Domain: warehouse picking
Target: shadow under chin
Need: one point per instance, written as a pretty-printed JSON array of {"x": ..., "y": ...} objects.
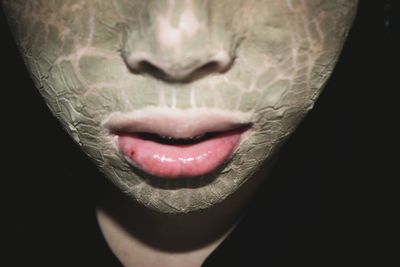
[
  {"x": 180, "y": 232},
  {"x": 175, "y": 233}
]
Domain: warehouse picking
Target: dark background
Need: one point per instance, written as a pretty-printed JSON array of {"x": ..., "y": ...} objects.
[{"x": 327, "y": 200}]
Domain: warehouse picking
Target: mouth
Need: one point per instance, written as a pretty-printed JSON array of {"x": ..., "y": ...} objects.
[{"x": 174, "y": 144}]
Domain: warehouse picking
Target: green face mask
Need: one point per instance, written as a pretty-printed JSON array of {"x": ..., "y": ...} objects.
[{"x": 180, "y": 69}]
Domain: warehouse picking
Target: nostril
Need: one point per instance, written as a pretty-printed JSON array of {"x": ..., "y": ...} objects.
[
  {"x": 181, "y": 71},
  {"x": 222, "y": 61},
  {"x": 205, "y": 69},
  {"x": 219, "y": 63},
  {"x": 212, "y": 66},
  {"x": 136, "y": 62},
  {"x": 149, "y": 68},
  {"x": 139, "y": 63}
]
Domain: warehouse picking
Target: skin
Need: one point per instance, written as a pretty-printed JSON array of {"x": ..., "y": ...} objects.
[
  {"x": 281, "y": 54},
  {"x": 274, "y": 58}
]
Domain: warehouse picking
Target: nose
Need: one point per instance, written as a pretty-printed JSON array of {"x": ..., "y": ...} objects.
[
  {"x": 178, "y": 41},
  {"x": 184, "y": 69}
]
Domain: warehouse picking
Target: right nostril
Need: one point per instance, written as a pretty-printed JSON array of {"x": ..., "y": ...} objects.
[
  {"x": 136, "y": 62},
  {"x": 145, "y": 66},
  {"x": 139, "y": 64}
]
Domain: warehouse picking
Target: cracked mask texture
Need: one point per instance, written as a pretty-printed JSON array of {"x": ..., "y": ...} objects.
[{"x": 282, "y": 54}]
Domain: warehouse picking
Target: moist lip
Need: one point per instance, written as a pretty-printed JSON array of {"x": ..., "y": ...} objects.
[
  {"x": 174, "y": 158},
  {"x": 175, "y": 143}
]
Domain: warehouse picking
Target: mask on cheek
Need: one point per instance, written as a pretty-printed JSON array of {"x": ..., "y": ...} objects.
[{"x": 179, "y": 103}]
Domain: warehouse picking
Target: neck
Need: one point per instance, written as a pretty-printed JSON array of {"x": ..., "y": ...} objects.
[{"x": 142, "y": 237}]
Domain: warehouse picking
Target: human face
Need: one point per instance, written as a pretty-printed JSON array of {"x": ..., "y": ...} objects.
[{"x": 121, "y": 74}]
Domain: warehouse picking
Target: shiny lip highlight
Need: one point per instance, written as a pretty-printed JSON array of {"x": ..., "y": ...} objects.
[
  {"x": 176, "y": 123},
  {"x": 174, "y": 143}
]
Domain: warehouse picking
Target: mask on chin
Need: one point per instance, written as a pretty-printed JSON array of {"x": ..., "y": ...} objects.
[{"x": 179, "y": 103}]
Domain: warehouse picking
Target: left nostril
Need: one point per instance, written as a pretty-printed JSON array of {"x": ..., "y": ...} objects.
[
  {"x": 205, "y": 69},
  {"x": 222, "y": 61}
]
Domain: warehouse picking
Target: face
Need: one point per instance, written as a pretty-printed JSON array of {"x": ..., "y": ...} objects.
[{"x": 180, "y": 102}]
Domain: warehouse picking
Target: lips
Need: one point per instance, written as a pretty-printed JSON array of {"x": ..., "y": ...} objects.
[{"x": 173, "y": 144}]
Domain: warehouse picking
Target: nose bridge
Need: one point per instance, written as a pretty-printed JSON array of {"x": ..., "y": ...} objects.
[
  {"x": 169, "y": 28},
  {"x": 182, "y": 26}
]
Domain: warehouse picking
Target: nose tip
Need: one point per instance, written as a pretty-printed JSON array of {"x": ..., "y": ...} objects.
[{"x": 180, "y": 71}]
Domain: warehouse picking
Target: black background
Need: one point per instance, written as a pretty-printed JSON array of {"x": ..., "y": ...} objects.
[{"x": 327, "y": 200}]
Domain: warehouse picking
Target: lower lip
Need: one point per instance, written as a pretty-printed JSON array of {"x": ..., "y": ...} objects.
[{"x": 179, "y": 161}]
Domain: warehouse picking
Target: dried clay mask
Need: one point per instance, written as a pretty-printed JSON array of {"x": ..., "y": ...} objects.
[{"x": 180, "y": 102}]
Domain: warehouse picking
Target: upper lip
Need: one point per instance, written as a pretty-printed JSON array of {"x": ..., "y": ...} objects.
[{"x": 176, "y": 123}]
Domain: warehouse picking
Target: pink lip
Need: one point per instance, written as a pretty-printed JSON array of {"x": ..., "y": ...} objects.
[
  {"x": 179, "y": 161},
  {"x": 172, "y": 159}
]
